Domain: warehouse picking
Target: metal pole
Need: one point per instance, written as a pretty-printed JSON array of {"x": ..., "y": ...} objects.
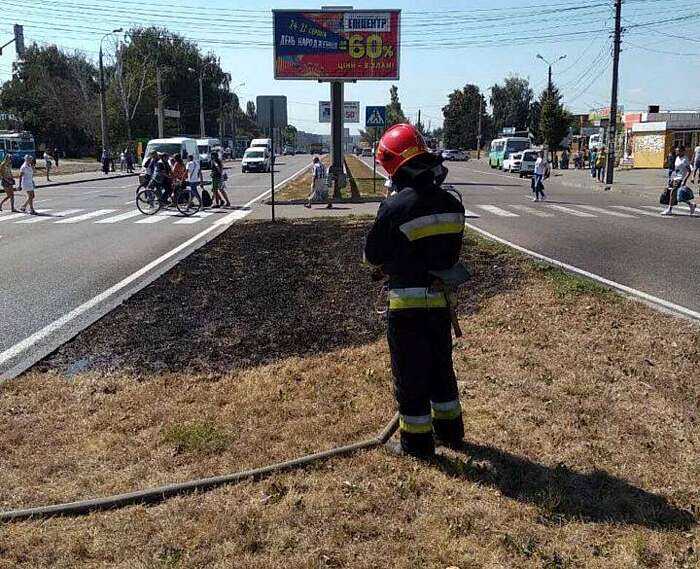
[
  {"x": 374, "y": 162},
  {"x": 272, "y": 161},
  {"x": 612, "y": 127},
  {"x": 478, "y": 132},
  {"x": 549, "y": 80},
  {"x": 159, "y": 101},
  {"x": 202, "y": 129},
  {"x": 337, "y": 135},
  {"x": 103, "y": 104}
]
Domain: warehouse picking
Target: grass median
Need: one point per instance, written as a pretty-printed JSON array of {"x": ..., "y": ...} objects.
[{"x": 580, "y": 409}]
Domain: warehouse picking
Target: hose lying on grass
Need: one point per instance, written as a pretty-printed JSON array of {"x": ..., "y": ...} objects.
[{"x": 162, "y": 493}]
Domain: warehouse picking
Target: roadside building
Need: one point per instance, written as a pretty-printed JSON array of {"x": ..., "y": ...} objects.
[{"x": 655, "y": 135}]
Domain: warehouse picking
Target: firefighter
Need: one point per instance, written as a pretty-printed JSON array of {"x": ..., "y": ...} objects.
[{"x": 416, "y": 240}]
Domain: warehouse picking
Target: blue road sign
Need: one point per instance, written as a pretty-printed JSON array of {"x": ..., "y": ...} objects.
[{"x": 375, "y": 116}]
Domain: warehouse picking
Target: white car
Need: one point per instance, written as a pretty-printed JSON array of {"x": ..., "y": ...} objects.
[
  {"x": 527, "y": 162},
  {"x": 178, "y": 145},
  {"x": 455, "y": 155},
  {"x": 256, "y": 160},
  {"x": 512, "y": 162}
]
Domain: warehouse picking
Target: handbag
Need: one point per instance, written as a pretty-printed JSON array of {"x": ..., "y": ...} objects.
[
  {"x": 665, "y": 198},
  {"x": 206, "y": 198},
  {"x": 685, "y": 194}
]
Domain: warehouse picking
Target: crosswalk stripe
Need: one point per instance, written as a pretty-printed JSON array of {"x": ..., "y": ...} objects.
[
  {"x": 53, "y": 216},
  {"x": 677, "y": 209},
  {"x": 570, "y": 211},
  {"x": 85, "y": 216},
  {"x": 120, "y": 217},
  {"x": 234, "y": 215},
  {"x": 161, "y": 216},
  {"x": 498, "y": 211},
  {"x": 36, "y": 218},
  {"x": 634, "y": 210},
  {"x": 605, "y": 211},
  {"x": 197, "y": 217},
  {"x": 468, "y": 213},
  {"x": 531, "y": 210},
  {"x": 12, "y": 216}
]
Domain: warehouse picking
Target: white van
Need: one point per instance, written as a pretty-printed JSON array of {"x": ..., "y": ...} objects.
[
  {"x": 256, "y": 159},
  {"x": 265, "y": 142},
  {"x": 176, "y": 145},
  {"x": 206, "y": 146}
]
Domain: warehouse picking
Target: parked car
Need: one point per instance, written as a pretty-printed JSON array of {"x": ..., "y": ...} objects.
[
  {"x": 288, "y": 151},
  {"x": 527, "y": 162},
  {"x": 512, "y": 162},
  {"x": 256, "y": 160},
  {"x": 366, "y": 152},
  {"x": 455, "y": 155}
]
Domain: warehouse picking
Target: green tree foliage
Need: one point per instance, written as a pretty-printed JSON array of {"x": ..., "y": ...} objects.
[
  {"x": 55, "y": 94},
  {"x": 394, "y": 112},
  {"x": 533, "y": 121},
  {"x": 554, "y": 119},
  {"x": 510, "y": 103},
  {"x": 250, "y": 111},
  {"x": 461, "y": 118},
  {"x": 289, "y": 135}
]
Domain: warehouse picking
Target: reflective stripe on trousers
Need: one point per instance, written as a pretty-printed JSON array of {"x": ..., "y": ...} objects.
[
  {"x": 434, "y": 224},
  {"x": 418, "y": 297},
  {"x": 416, "y": 424},
  {"x": 447, "y": 410}
]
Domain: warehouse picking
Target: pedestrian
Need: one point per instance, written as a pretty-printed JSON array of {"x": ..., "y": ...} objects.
[
  {"x": 122, "y": 160},
  {"x": 129, "y": 161},
  {"x": 671, "y": 164},
  {"x": 416, "y": 242},
  {"x": 48, "y": 162},
  {"x": 537, "y": 181},
  {"x": 179, "y": 173},
  {"x": 26, "y": 183},
  {"x": 592, "y": 160},
  {"x": 319, "y": 189},
  {"x": 600, "y": 164},
  {"x": 679, "y": 191},
  {"x": 194, "y": 176},
  {"x": 218, "y": 186},
  {"x": 164, "y": 177},
  {"x": 7, "y": 181},
  {"x": 105, "y": 161},
  {"x": 696, "y": 162},
  {"x": 56, "y": 156}
]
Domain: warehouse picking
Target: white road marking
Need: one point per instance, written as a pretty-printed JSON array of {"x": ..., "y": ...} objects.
[
  {"x": 12, "y": 216},
  {"x": 36, "y": 218},
  {"x": 498, "y": 211},
  {"x": 531, "y": 210},
  {"x": 623, "y": 288},
  {"x": 199, "y": 216},
  {"x": 22, "y": 346},
  {"x": 233, "y": 216},
  {"x": 160, "y": 216},
  {"x": 678, "y": 210},
  {"x": 468, "y": 213},
  {"x": 570, "y": 211},
  {"x": 85, "y": 216},
  {"x": 634, "y": 210},
  {"x": 604, "y": 211},
  {"x": 120, "y": 217},
  {"x": 63, "y": 213}
]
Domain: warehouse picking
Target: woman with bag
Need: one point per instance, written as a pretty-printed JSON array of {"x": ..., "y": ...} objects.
[
  {"x": 679, "y": 191},
  {"x": 538, "y": 176},
  {"x": 217, "y": 182},
  {"x": 8, "y": 182},
  {"x": 319, "y": 190},
  {"x": 600, "y": 164}
]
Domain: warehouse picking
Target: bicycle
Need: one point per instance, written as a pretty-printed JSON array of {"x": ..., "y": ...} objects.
[{"x": 150, "y": 200}]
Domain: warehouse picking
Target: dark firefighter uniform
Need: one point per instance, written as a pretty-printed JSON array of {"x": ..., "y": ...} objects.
[{"x": 417, "y": 231}]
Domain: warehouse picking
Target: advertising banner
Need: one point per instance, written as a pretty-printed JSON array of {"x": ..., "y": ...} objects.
[
  {"x": 351, "y": 111},
  {"x": 337, "y": 45}
]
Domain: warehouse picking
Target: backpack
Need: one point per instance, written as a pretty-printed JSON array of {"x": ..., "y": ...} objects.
[{"x": 206, "y": 198}]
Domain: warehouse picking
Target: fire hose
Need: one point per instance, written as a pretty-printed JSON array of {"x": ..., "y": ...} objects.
[{"x": 162, "y": 493}]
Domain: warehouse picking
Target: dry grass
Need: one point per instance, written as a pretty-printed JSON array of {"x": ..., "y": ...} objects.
[
  {"x": 363, "y": 176},
  {"x": 581, "y": 410},
  {"x": 300, "y": 187}
]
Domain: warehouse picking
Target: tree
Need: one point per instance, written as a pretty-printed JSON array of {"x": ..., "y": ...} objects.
[
  {"x": 394, "y": 112},
  {"x": 533, "y": 121},
  {"x": 289, "y": 135},
  {"x": 510, "y": 103},
  {"x": 554, "y": 119},
  {"x": 250, "y": 111},
  {"x": 461, "y": 118}
]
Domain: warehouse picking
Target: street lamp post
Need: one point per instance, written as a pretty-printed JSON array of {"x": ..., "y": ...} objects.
[
  {"x": 550, "y": 64},
  {"x": 103, "y": 98},
  {"x": 202, "y": 128}
]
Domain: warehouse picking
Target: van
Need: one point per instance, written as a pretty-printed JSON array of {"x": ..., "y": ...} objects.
[
  {"x": 265, "y": 142},
  {"x": 256, "y": 159},
  {"x": 177, "y": 145},
  {"x": 502, "y": 147},
  {"x": 206, "y": 146}
]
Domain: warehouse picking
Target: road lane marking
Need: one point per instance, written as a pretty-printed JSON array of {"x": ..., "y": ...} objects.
[
  {"x": 468, "y": 213},
  {"x": 634, "y": 210},
  {"x": 498, "y": 211},
  {"x": 63, "y": 213},
  {"x": 85, "y": 216},
  {"x": 36, "y": 218},
  {"x": 678, "y": 210},
  {"x": 531, "y": 210},
  {"x": 197, "y": 217},
  {"x": 570, "y": 211},
  {"x": 120, "y": 217},
  {"x": 24, "y": 345},
  {"x": 571, "y": 268},
  {"x": 605, "y": 211},
  {"x": 160, "y": 216},
  {"x": 12, "y": 216}
]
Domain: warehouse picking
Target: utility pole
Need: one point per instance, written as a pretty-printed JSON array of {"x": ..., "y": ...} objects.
[
  {"x": 159, "y": 102},
  {"x": 612, "y": 127},
  {"x": 103, "y": 98},
  {"x": 202, "y": 134},
  {"x": 419, "y": 118},
  {"x": 478, "y": 129}
]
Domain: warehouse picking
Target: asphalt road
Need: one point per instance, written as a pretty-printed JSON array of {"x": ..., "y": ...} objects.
[
  {"x": 619, "y": 237},
  {"x": 88, "y": 239}
]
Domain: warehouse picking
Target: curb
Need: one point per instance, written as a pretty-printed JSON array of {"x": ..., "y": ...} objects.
[{"x": 71, "y": 182}]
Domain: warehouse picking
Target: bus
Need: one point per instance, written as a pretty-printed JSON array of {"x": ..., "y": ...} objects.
[
  {"x": 502, "y": 147},
  {"x": 17, "y": 145}
]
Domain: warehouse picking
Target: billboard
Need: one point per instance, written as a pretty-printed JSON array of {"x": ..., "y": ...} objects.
[
  {"x": 262, "y": 106},
  {"x": 351, "y": 111},
  {"x": 336, "y": 44}
]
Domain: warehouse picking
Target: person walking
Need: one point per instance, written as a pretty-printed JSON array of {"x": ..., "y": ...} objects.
[
  {"x": 26, "y": 183},
  {"x": 105, "y": 161},
  {"x": 671, "y": 164},
  {"x": 129, "y": 161},
  {"x": 194, "y": 176},
  {"x": 217, "y": 182},
  {"x": 48, "y": 162},
  {"x": 7, "y": 181},
  {"x": 56, "y": 154},
  {"x": 537, "y": 181},
  {"x": 679, "y": 191},
  {"x": 122, "y": 160},
  {"x": 600, "y": 165},
  {"x": 319, "y": 190},
  {"x": 415, "y": 241},
  {"x": 592, "y": 160},
  {"x": 696, "y": 163}
]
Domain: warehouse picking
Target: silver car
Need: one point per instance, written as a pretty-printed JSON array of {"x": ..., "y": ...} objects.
[{"x": 455, "y": 155}]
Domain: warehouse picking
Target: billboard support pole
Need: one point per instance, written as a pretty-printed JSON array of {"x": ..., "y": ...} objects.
[
  {"x": 374, "y": 162},
  {"x": 337, "y": 105},
  {"x": 272, "y": 159}
]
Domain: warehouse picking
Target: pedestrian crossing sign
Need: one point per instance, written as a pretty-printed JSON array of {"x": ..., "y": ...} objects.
[{"x": 375, "y": 116}]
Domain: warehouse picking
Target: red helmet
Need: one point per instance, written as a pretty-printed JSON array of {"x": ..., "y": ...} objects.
[{"x": 398, "y": 145}]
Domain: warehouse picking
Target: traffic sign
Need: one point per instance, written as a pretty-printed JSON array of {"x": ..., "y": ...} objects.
[{"x": 375, "y": 116}]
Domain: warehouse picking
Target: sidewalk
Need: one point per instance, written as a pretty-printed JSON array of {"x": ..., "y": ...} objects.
[{"x": 57, "y": 180}]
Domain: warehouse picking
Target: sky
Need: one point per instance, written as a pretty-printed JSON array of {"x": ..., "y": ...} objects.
[{"x": 445, "y": 45}]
